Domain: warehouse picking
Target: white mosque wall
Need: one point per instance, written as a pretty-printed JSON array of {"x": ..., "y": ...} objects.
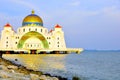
[{"x": 10, "y": 39}]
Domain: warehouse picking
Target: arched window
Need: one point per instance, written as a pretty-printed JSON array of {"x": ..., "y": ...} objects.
[
  {"x": 19, "y": 30},
  {"x": 29, "y": 29},
  {"x": 34, "y": 45},
  {"x": 58, "y": 38},
  {"x": 41, "y": 30},
  {"x": 38, "y": 45},
  {"x": 45, "y": 31},
  {"x": 6, "y": 45},
  {"x": 36, "y": 29},
  {"x": 6, "y": 41},
  {"x": 23, "y": 30}
]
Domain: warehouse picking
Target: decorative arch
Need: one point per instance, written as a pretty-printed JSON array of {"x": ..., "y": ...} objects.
[{"x": 31, "y": 34}]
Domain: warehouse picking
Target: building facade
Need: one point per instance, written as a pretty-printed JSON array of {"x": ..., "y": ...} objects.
[{"x": 32, "y": 35}]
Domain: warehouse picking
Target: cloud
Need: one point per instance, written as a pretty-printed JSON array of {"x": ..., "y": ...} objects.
[
  {"x": 16, "y": 21},
  {"x": 75, "y": 3},
  {"x": 111, "y": 11},
  {"x": 27, "y": 4}
]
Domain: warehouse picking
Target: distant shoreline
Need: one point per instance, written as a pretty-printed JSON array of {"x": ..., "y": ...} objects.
[{"x": 103, "y": 50}]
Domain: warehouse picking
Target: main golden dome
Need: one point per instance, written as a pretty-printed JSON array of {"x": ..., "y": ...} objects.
[{"x": 32, "y": 19}]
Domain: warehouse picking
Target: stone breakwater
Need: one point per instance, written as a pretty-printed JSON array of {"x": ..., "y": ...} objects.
[{"x": 11, "y": 71}]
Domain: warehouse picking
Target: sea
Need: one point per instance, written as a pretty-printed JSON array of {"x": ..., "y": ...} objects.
[{"x": 89, "y": 65}]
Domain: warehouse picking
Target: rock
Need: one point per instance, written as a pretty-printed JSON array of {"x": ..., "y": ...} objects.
[
  {"x": 61, "y": 78},
  {"x": 11, "y": 71},
  {"x": 49, "y": 78},
  {"x": 43, "y": 77},
  {"x": 17, "y": 78},
  {"x": 4, "y": 74},
  {"x": 76, "y": 78},
  {"x": 19, "y": 74},
  {"x": 1, "y": 67},
  {"x": 54, "y": 78},
  {"x": 12, "y": 67},
  {"x": 4, "y": 68},
  {"x": 34, "y": 77},
  {"x": 0, "y": 55},
  {"x": 22, "y": 70},
  {"x": 16, "y": 59}
]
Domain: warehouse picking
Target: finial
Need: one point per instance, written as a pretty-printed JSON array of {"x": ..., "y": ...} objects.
[{"x": 33, "y": 11}]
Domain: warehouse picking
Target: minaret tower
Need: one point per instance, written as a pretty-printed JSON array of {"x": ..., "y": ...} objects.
[{"x": 7, "y": 36}]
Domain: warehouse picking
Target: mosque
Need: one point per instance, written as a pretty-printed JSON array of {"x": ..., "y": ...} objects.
[{"x": 33, "y": 37}]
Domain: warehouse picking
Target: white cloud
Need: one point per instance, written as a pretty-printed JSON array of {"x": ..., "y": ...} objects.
[
  {"x": 112, "y": 11},
  {"x": 28, "y": 4},
  {"x": 23, "y": 2},
  {"x": 75, "y": 3},
  {"x": 15, "y": 21}
]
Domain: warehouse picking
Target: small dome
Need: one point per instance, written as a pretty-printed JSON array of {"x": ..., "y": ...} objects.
[
  {"x": 7, "y": 25},
  {"x": 32, "y": 19},
  {"x": 58, "y": 26}
]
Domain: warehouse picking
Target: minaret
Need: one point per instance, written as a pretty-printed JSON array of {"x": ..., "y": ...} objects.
[
  {"x": 59, "y": 37},
  {"x": 6, "y": 36}
]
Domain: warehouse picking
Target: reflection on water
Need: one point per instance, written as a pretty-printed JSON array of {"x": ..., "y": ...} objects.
[{"x": 42, "y": 62}]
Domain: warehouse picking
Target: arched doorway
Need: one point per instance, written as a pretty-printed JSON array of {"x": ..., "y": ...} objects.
[{"x": 33, "y": 40}]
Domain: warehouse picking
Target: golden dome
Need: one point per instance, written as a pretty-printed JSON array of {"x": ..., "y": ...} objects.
[{"x": 32, "y": 19}]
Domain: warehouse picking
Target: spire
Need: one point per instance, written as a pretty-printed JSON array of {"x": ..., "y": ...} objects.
[{"x": 32, "y": 11}]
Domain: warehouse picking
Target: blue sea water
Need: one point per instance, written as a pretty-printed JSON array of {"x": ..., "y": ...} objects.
[
  {"x": 95, "y": 65},
  {"x": 89, "y": 65}
]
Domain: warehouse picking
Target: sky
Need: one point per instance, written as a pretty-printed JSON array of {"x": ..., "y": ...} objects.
[{"x": 88, "y": 24}]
